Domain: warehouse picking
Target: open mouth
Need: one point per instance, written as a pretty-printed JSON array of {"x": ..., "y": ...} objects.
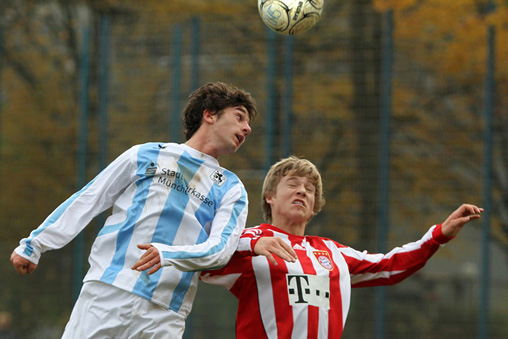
[
  {"x": 298, "y": 202},
  {"x": 240, "y": 138}
]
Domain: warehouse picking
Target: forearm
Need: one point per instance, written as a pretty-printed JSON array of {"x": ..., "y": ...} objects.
[
  {"x": 393, "y": 267},
  {"x": 208, "y": 255},
  {"x": 217, "y": 249}
]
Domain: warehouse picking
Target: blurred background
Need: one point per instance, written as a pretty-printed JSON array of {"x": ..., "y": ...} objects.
[{"x": 401, "y": 104}]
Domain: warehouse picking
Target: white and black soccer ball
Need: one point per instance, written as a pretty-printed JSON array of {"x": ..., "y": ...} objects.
[{"x": 290, "y": 16}]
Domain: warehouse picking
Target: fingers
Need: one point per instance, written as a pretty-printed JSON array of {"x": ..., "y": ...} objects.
[
  {"x": 289, "y": 252},
  {"x": 155, "y": 269},
  {"x": 268, "y": 246},
  {"x": 149, "y": 259},
  {"x": 146, "y": 261},
  {"x": 154, "y": 264},
  {"x": 270, "y": 258},
  {"x": 22, "y": 265},
  {"x": 31, "y": 267},
  {"x": 461, "y": 216},
  {"x": 285, "y": 252},
  {"x": 25, "y": 268},
  {"x": 21, "y": 269},
  {"x": 468, "y": 209}
]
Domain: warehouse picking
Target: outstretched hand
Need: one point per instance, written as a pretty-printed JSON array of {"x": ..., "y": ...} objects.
[
  {"x": 268, "y": 245},
  {"x": 149, "y": 259},
  {"x": 22, "y": 265},
  {"x": 459, "y": 218}
]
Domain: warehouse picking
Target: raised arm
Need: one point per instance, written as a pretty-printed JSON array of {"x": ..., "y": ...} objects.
[
  {"x": 386, "y": 269},
  {"x": 74, "y": 214}
]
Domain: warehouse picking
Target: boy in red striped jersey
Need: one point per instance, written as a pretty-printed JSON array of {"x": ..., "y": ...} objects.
[{"x": 309, "y": 297}]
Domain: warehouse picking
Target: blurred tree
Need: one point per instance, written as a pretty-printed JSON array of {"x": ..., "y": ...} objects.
[{"x": 451, "y": 57}]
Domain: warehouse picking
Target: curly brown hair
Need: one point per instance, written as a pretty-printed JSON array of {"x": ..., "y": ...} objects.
[{"x": 214, "y": 97}]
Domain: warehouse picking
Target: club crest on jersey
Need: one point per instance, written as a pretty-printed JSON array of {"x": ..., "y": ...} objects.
[
  {"x": 323, "y": 257},
  {"x": 218, "y": 177}
]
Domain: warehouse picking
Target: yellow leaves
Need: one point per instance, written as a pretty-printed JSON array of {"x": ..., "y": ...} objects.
[
  {"x": 328, "y": 96},
  {"x": 384, "y": 5},
  {"x": 498, "y": 18},
  {"x": 191, "y": 7},
  {"x": 435, "y": 19},
  {"x": 450, "y": 36},
  {"x": 499, "y": 21}
]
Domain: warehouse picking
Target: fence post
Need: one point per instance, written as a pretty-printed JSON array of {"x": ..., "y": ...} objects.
[
  {"x": 384, "y": 158},
  {"x": 195, "y": 44},
  {"x": 1, "y": 105},
  {"x": 271, "y": 45},
  {"x": 483, "y": 312},
  {"x": 103, "y": 96},
  {"x": 174, "y": 125},
  {"x": 83, "y": 107},
  {"x": 288, "y": 96}
]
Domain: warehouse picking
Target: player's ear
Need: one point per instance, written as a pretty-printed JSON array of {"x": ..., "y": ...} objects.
[
  {"x": 269, "y": 199},
  {"x": 208, "y": 116}
]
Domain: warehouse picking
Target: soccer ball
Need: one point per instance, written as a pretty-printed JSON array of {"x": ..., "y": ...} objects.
[{"x": 290, "y": 16}]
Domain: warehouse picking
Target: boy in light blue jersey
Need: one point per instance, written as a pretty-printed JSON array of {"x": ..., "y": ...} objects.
[{"x": 167, "y": 193}]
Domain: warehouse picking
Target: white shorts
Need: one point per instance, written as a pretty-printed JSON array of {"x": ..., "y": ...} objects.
[{"x": 103, "y": 311}]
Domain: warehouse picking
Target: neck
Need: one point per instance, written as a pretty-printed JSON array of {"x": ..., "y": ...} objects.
[
  {"x": 290, "y": 227},
  {"x": 201, "y": 145}
]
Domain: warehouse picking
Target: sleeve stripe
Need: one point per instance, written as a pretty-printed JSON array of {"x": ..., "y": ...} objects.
[{"x": 225, "y": 235}]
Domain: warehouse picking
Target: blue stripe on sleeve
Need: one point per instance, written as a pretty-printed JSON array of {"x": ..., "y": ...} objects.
[
  {"x": 226, "y": 233},
  {"x": 53, "y": 218}
]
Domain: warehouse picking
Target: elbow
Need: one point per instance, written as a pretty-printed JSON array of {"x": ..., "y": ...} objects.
[{"x": 222, "y": 260}]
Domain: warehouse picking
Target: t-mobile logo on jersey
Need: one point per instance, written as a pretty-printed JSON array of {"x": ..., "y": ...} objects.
[{"x": 308, "y": 289}]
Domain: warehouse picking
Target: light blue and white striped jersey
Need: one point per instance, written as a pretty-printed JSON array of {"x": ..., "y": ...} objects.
[{"x": 160, "y": 193}]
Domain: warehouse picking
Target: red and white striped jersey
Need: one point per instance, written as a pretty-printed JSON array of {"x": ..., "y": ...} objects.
[{"x": 310, "y": 298}]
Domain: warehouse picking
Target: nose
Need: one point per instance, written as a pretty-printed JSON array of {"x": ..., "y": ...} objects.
[
  {"x": 246, "y": 129},
  {"x": 301, "y": 191}
]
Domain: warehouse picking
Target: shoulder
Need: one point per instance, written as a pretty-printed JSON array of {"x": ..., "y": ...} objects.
[
  {"x": 328, "y": 241},
  {"x": 148, "y": 147}
]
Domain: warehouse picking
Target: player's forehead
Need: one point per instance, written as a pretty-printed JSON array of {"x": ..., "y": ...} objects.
[
  {"x": 295, "y": 178},
  {"x": 240, "y": 109}
]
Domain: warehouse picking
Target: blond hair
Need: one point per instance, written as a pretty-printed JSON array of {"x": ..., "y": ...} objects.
[{"x": 291, "y": 166}]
